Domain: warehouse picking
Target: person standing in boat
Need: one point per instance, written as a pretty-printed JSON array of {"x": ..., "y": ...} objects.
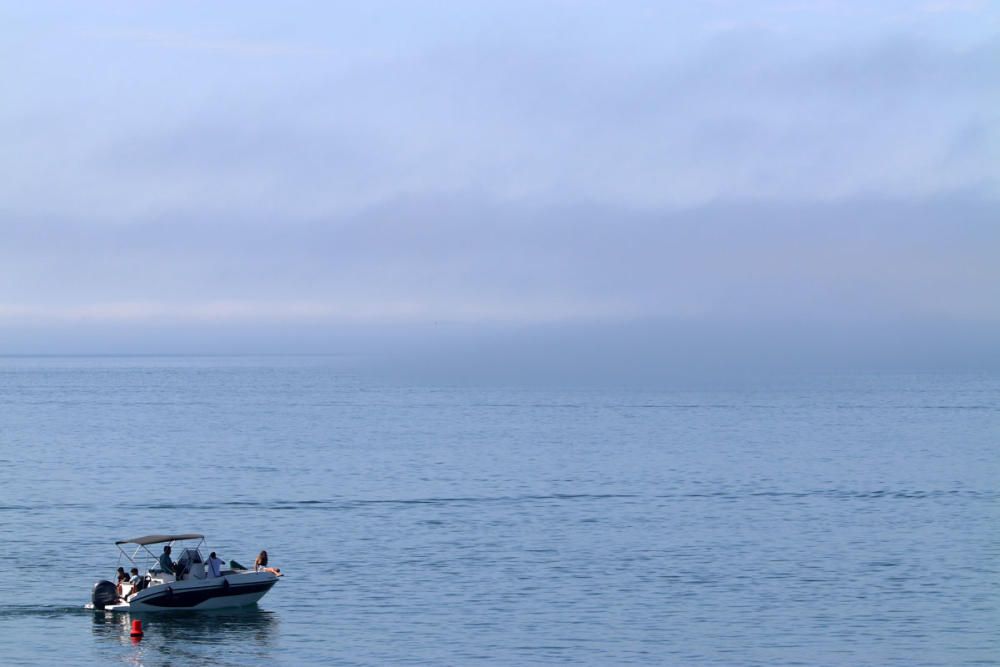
[{"x": 215, "y": 565}]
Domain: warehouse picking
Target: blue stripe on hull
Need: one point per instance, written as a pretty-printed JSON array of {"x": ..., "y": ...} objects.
[{"x": 192, "y": 598}]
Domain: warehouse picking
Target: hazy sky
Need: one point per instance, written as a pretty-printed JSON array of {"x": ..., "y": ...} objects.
[{"x": 250, "y": 168}]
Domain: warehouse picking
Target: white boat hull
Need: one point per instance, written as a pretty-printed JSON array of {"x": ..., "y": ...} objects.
[
  {"x": 211, "y": 603},
  {"x": 232, "y": 590}
]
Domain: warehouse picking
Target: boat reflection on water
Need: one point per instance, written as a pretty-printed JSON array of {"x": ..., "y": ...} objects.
[{"x": 200, "y": 636}]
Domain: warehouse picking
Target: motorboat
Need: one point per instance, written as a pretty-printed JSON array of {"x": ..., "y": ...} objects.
[{"x": 190, "y": 586}]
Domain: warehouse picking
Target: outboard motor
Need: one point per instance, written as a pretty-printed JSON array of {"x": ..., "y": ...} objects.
[{"x": 104, "y": 593}]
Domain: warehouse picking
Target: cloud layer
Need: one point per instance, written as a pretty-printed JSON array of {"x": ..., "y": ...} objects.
[
  {"x": 465, "y": 260},
  {"x": 502, "y": 164}
]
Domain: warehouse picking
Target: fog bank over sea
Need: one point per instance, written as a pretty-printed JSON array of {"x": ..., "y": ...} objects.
[
  {"x": 640, "y": 353},
  {"x": 466, "y": 285}
]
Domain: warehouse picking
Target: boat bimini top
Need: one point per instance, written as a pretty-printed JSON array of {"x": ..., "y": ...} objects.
[
  {"x": 143, "y": 542},
  {"x": 159, "y": 539}
]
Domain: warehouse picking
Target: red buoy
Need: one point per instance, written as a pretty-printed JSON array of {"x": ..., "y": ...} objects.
[{"x": 136, "y": 628}]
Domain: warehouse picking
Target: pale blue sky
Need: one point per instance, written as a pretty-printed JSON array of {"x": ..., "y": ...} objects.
[{"x": 311, "y": 166}]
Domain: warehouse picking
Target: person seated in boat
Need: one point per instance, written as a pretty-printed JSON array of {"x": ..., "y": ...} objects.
[
  {"x": 166, "y": 564},
  {"x": 135, "y": 582},
  {"x": 215, "y": 565},
  {"x": 122, "y": 579},
  {"x": 260, "y": 565}
]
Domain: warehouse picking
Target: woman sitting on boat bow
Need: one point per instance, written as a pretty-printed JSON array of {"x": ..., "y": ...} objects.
[{"x": 260, "y": 565}]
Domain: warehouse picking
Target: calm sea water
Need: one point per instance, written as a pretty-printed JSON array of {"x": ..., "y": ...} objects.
[{"x": 824, "y": 520}]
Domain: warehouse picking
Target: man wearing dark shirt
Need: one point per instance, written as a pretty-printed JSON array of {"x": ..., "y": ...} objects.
[{"x": 166, "y": 564}]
